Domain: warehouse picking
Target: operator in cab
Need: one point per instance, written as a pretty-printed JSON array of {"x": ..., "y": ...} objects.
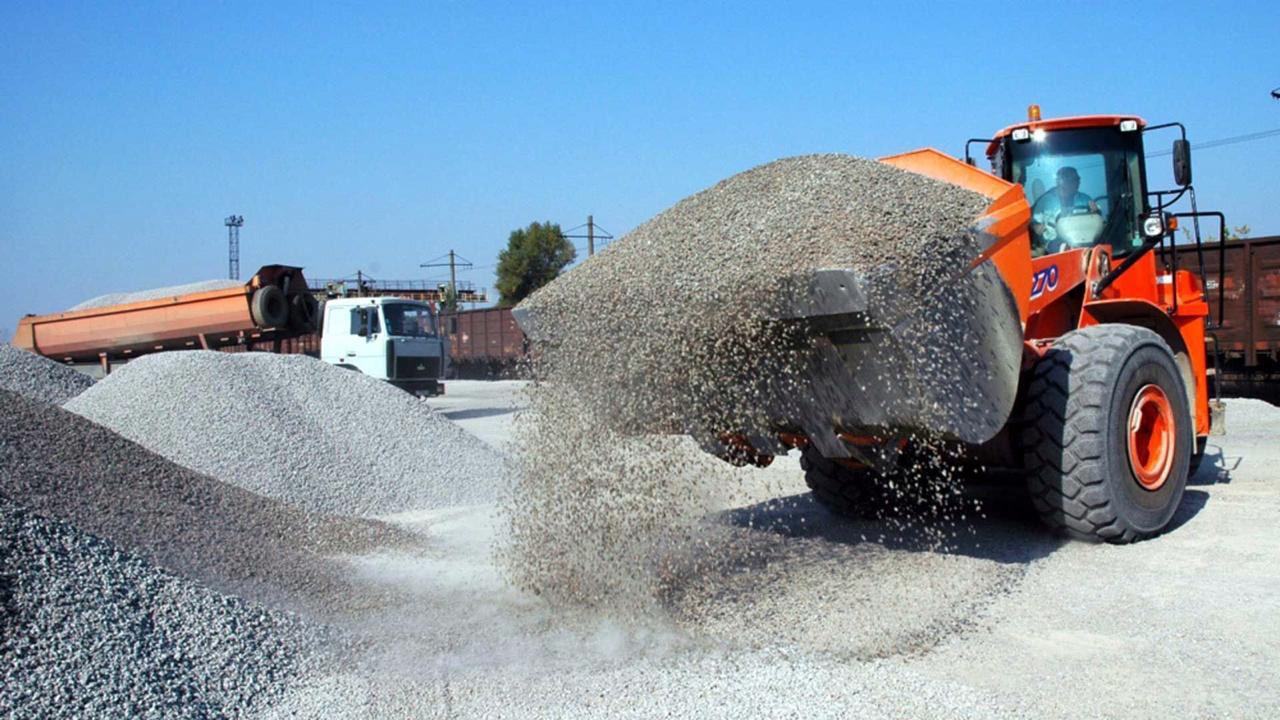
[{"x": 1064, "y": 199}]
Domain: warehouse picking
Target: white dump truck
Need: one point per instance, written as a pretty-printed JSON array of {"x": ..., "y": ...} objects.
[{"x": 392, "y": 339}]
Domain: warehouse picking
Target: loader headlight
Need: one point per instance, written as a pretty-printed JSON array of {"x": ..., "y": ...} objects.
[
  {"x": 1157, "y": 225},
  {"x": 1152, "y": 226}
]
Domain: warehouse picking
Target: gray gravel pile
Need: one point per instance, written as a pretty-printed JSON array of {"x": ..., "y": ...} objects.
[
  {"x": 291, "y": 427},
  {"x": 672, "y": 329},
  {"x": 38, "y": 377},
  {"x": 92, "y": 631},
  {"x": 122, "y": 298},
  {"x": 64, "y": 466}
]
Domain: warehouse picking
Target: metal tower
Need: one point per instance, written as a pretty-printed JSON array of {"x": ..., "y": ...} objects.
[{"x": 233, "y": 224}]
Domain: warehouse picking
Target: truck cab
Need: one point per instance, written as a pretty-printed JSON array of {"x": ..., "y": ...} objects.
[{"x": 392, "y": 339}]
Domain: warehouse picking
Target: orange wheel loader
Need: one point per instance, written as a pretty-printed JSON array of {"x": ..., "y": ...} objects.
[
  {"x": 1053, "y": 342},
  {"x": 1102, "y": 399}
]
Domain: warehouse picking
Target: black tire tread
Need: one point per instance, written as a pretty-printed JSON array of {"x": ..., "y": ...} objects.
[
  {"x": 1063, "y": 453},
  {"x": 843, "y": 491}
]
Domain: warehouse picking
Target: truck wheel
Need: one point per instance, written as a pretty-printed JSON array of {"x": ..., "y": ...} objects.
[
  {"x": 269, "y": 307},
  {"x": 303, "y": 311},
  {"x": 1107, "y": 434},
  {"x": 843, "y": 490}
]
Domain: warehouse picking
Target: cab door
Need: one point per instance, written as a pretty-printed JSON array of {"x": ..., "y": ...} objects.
[{"x": 367, "y": 348}]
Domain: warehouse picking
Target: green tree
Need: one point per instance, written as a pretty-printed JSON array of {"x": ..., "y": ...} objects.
[
  {"x": 534, "y": 257},
  {"x": 448, "y": 298},
  {"x": 1239, "y": 232}
]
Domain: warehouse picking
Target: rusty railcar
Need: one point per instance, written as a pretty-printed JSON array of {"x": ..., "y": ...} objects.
[
  {"x": 1248, "y": 340},
  {"x": 485, "y": 344}
]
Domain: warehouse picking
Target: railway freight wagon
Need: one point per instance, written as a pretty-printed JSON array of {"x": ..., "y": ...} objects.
[
  {"x": 485, "y": 344},
  {"x": 1249, "y": 339}
]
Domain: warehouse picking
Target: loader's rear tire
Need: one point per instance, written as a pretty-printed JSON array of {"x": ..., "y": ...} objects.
[
  {"x": 269, "y": 307},
  {"x": 1107, "y": 434},
  {"x": 843, "y": 490}
]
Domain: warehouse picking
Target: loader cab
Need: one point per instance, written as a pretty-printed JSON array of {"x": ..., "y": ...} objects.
[{"x": 1084, "y": 178}]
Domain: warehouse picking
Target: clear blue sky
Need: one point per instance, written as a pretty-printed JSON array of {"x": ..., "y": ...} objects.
[{"x": 375, "y": 137}]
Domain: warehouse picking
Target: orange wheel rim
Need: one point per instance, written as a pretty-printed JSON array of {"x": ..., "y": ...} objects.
[{"x": 1152, "y": 437}]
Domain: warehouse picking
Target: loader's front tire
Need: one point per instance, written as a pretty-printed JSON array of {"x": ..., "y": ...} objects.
[
  {"x": 851, "y": 492},
  {"x": 1107, "y": 434}
]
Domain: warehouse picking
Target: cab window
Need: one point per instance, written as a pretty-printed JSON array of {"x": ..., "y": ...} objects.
[
  {"x": 1084, "y": 186},
  {"x": 363, "y": 315}
]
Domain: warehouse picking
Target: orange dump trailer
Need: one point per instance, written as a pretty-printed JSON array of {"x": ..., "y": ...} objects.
[{"x": 275, "y": 304}]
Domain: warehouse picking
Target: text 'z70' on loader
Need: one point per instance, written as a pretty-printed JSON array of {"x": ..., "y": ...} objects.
[{"x": 1077, "y": 359}]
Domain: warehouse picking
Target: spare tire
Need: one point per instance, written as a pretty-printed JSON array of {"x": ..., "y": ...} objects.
[
  {"x": 269, "y": 307},
  {"x": 303, "y": 311}
]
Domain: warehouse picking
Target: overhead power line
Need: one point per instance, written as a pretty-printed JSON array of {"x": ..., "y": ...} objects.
[
  {"x": 1250, "y": 137},
  {"x": 594, "y": 231}
]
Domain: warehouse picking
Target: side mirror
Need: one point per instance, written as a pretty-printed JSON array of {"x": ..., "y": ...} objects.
[
  {"x": 364, "y": 324},
  {"x": 1182, "y": 162}
]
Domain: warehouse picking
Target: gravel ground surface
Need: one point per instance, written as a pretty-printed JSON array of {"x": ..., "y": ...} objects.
[
  {"x": 64, "y": 466},
  {"x": 844, "y": 618},
  {"x": 122, "y": 298},
  {"x": 90, "y": 631},
  {"x": 290, "y": 427},
  {"x": 39, "y": 378}
]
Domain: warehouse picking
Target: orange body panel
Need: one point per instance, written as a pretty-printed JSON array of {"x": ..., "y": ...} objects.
[
  {"x": 1144, "y": 295},
  {"x": 1006, "y": 219},
  {"x": 1052, "y": 291},
  {"x": 1063, "y": 123},
  {"x": 220, "y": 317},
  {"x": 136, "y": 327}
]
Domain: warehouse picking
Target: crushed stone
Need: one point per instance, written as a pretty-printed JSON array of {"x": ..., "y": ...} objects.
[
  {"x": 672, "y": 330},
  {"x": 92, "y": 631},
  {"x": 64, "y": 466},
  {"x": 38, "y": 377},
  {"x": 124, "y": 298},
  {"x": 294, "y": 428}
]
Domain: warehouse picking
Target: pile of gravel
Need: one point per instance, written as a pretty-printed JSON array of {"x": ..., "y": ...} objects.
[
  {"x": 61, "y": 465},
  {"x": 38, "y": 377},
  {"x": 122, "y": 298},
  {"x": 291, "y": 427},
  {"x": 92, "y": 631},
  {"x": 675, "y": 329}
]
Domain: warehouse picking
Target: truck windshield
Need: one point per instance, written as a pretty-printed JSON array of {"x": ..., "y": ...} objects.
[
  {"x": 409, "y": 320},
  {"x": 1085, "y": 188}
]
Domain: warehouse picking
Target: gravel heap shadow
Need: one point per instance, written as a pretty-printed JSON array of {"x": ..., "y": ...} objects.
[
  {"x": 92, "y": 631},
  {"x": 672, "y": 329},
  {"x": 291, "y": 427},
  {"x": 38, "y": 377}
]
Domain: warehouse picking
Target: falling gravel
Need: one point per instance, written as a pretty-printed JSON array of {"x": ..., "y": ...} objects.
[
  {"x": 92, "y": 631},
  {"x": 676, "y": 329},
  {"x": 291, "y": 427},
  {"x": 38, "y": 377},
  {"x": 62, "y": 465},
  {"x": 123, "y": 298}
]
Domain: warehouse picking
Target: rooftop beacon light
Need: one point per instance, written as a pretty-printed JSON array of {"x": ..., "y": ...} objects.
[{"x": 1033, "y": 113}]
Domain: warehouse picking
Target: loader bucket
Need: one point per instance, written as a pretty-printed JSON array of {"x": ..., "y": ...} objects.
[
  {"x": 943, "y": 362},
  {"x": 941, "y": 358}
]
